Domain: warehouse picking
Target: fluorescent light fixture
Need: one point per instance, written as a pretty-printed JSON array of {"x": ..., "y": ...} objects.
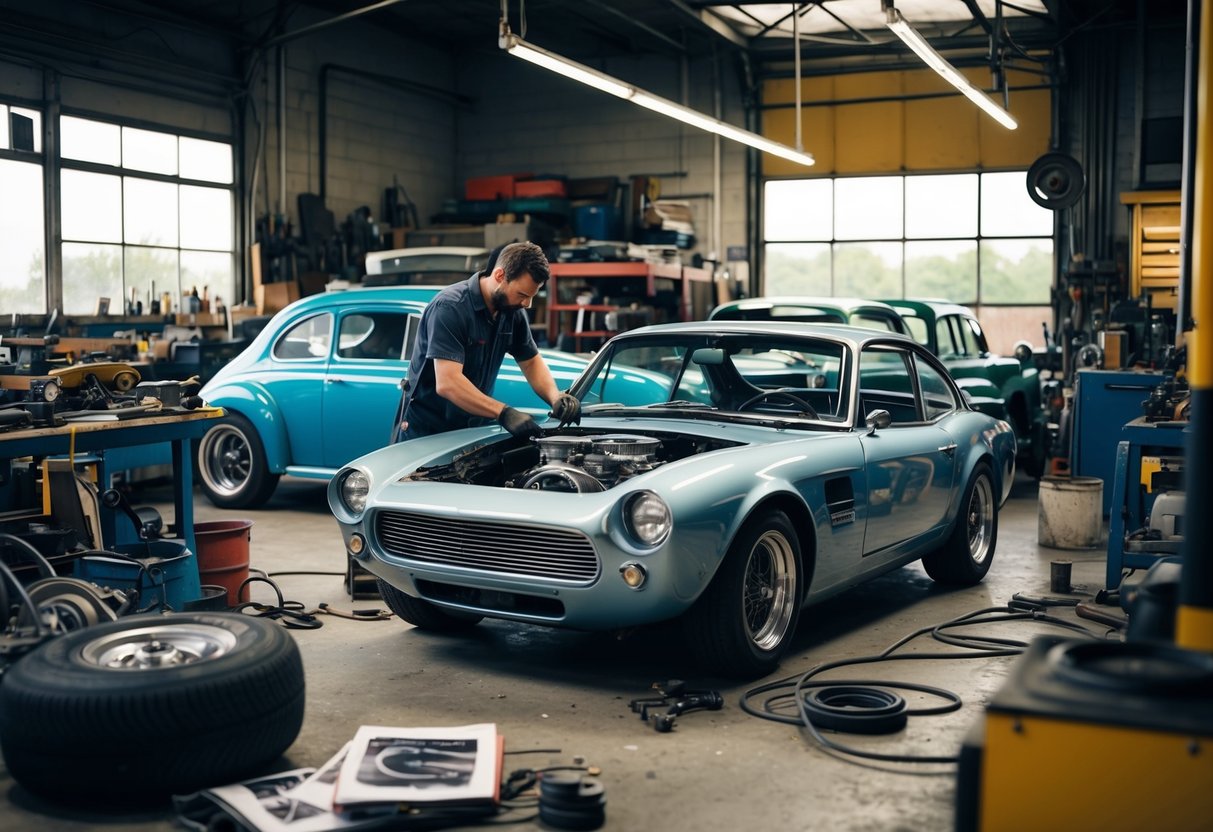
[
  {"x": 935, "y": 61},
  {"x": 579, "y": 72}
]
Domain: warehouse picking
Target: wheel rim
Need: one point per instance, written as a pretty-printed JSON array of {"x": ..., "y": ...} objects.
[
  {"x": 158, "y": 646},
  {"x": 227, "y": 459},
  {"x": 980, "y": 518},
  {"x": 769, "y": 591}
]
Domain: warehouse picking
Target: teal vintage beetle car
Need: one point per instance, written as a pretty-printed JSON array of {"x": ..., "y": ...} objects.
[
  {"x": 319, "y": 387},
  {"x": 1007, "y": 387},
  {"x": 726, "y": 474}
]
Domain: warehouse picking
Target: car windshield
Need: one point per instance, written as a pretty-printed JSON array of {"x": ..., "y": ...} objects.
[
  {"x": 778, "y": 312},
  {"x": 760, "y": 375}
]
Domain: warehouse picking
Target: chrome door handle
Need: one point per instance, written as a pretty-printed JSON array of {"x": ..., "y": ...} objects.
[
  {"x": 948, "y": 449},
  {"x": 331, "y": 380}
]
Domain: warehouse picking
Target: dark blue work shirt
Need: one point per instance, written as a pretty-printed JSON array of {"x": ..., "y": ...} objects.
[{"x": 457, "y": 326}]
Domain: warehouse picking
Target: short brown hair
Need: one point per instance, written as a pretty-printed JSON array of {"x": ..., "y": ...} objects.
[{"x": 518, "y": 259}]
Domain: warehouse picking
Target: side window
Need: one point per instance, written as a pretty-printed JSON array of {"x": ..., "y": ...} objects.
[
  {"x": 937, "y": 397},
  {"x": 978, "y": 336},
  {"x": 885, "y": 384},
  {"x": 310, "y": 338},
  {"x": 877, "y": 322},
  {"x": 918, "y": 329},
  {"x": 948, "y": 348},
  {"x": 965, "y": 337},
  {"x": 410, "y": 335},
  {"x": 372, "y": 336}
]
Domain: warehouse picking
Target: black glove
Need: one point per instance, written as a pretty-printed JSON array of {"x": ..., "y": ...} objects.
[
  {"x": 519, "y": 424},
  {"x": 567, "y": 408}
]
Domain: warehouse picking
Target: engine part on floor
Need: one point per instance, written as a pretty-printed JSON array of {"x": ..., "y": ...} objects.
[
  {"x": 109, "y": 714},
  {"x": 677, "y": 699},
  {"x": 1072, "y": 707},
  {"x": 568, "y": 800}
]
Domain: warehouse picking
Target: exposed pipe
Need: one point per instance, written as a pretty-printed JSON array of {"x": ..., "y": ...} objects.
[
  {"x": 324, "y": 24},
  {"x": 281, "y": 127}
]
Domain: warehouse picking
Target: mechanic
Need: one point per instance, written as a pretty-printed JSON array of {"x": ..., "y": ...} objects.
[{"x": 464, "y": 334}]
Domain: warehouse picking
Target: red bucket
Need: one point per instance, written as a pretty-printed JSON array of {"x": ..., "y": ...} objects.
[{"x": 223, "y": 555}]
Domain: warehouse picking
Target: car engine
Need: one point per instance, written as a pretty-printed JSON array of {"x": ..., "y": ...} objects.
[
  {"x": 582, "y": 463},
  {"x": 588, "y": 463}
]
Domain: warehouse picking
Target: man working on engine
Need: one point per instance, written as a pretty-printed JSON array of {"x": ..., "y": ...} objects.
[{"x": 464, "y": 335}]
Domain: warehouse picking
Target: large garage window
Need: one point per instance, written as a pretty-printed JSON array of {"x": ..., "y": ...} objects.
[
  {"x": 22, "y": 228},
  {"x": 145, "y": 213},
  {"x": 971, "y": 238}
]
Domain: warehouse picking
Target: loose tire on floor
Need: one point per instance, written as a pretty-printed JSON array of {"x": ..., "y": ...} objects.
[
  {"x": 964, "y": 559},
  {"x": 232, "y": 467},
  {"x": 91, "y": 718},
  {"x": 423, "y": 615},
  {"x": 743, "y": 622}
]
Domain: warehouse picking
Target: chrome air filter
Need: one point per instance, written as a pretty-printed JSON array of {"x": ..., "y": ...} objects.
[
  {"x": 560, "y": 448},
  {"x": 626, "y": 447}
]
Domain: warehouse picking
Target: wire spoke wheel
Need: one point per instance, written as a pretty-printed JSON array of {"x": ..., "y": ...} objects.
[
  {"x": 743, "y": 622},
  {"x": 768, "y": 590},
  {"x": 980, "y": 516},
  {"x": 966, "y": 555}
]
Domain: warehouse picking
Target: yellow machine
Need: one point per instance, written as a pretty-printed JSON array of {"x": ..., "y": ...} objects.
[{"x": 1093, "y": 735}]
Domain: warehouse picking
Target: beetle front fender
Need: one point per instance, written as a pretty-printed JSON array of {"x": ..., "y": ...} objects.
[{"x": 253, "y": 402}]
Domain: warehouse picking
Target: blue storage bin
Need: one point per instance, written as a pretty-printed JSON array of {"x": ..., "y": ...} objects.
[
  {"x": 597, "y": 222},
  {"x": 166, "y": 572}
]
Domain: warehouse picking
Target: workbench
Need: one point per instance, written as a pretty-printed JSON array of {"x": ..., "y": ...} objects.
[
  {"x": 1129, "y": 510},
  {"x": 178, "y": 428}
]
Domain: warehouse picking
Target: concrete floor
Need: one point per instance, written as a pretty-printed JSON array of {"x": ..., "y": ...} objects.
[{"x": 547, "y": 689}]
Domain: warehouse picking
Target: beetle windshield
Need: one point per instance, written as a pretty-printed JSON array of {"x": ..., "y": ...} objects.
[{"x": 754, "y": 374}]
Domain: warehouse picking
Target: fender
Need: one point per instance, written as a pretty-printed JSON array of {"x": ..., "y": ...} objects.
[{"x": 253, "y": 402}]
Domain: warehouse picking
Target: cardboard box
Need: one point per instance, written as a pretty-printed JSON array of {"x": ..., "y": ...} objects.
[{"x": 272, "y": 297}]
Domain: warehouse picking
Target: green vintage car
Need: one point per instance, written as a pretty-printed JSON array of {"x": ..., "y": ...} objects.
[{"x": 1006, "y": 387}]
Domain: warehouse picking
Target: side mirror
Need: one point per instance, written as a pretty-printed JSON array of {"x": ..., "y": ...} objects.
[
  {"x": 877, "y": 419},
  {"x": 712, "y": 356}
]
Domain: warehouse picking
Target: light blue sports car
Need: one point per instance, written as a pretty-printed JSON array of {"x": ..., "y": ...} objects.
[
  {"x": 319, "y": 386},
  {"x": 724, "y": 473}
]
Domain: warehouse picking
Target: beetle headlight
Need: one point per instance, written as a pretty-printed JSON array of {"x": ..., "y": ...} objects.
[
  {"x": 355, "y": 485},
  {"x": 648, "y": 518}
]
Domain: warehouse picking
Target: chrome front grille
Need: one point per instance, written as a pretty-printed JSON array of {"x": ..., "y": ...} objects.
[{"x": 537, "y": 552}]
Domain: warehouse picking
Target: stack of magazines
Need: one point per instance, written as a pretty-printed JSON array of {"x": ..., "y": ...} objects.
[{"x": 402, "y": 778}]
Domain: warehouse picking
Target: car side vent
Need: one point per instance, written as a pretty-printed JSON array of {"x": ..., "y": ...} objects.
[{"x": 840, "y": 501}]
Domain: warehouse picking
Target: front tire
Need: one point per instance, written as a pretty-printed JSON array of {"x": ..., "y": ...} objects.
[
  {"x": 741, "y": 625},
  {"x": 423, "y": 615},
  {"x": 232, "y": 467},
  {"x": 132, "y": 711},
  {"x": 964, "y": 559}
]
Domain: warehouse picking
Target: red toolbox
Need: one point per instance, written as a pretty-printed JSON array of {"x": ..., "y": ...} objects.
[{"x": 493, "y": 187}]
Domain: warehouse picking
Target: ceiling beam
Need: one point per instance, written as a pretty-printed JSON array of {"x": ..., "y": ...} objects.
[{"x": 713, "y": 23}]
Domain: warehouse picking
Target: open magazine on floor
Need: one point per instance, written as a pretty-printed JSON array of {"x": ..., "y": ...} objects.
[
  {"x": 384, "y": 767},
  {"x": 434, "y": 776}
]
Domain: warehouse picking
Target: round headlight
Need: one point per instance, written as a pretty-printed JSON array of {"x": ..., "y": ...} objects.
[
  {"x": 648, "y": 518},
  {"x": 354, "y": 488}
]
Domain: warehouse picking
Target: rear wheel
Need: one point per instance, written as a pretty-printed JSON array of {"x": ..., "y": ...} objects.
[
  {"x": 232, "y": 467},
  {"x": 964, "y": 559},
  {"x": 422, "y": 614},
  {"x": 743, "y": 622}
]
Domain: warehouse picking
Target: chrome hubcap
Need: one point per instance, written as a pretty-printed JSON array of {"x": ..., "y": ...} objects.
[
  {"x": 155, "y": 646},
  {"x": 226, "y": 459}
]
